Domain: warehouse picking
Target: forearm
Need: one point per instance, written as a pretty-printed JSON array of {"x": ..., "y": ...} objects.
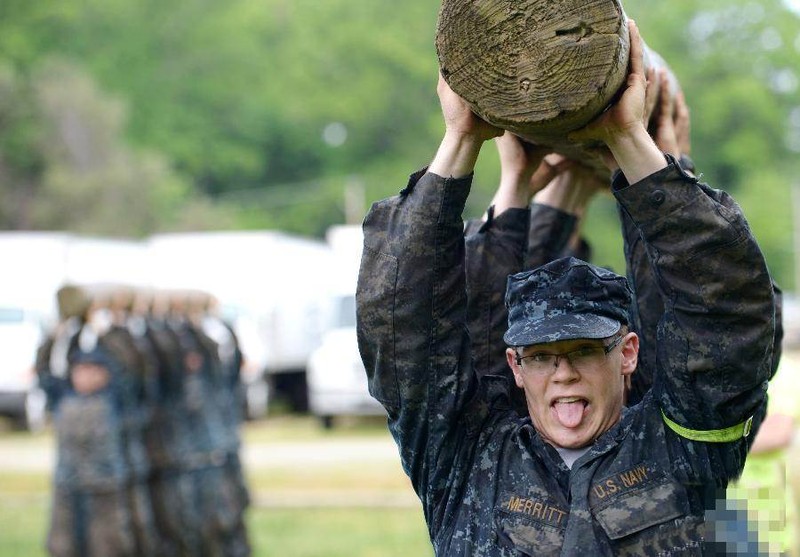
[
  {"x": 494, "y": 250},
  {"x": 509, "y": 196},
  {"x": 715, "y": 337},
  {"x": 411, "y": 301},
  {"x": 776, "y": 433}
]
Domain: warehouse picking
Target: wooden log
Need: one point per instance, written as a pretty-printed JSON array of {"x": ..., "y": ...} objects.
[{"x": 539, "y": 68}]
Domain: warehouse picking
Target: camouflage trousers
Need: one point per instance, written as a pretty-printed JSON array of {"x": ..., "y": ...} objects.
[
  {"x": 200, "y": 513},
  {"x": 217, "y": 495},
  {"x": 91, "y": 524},
  {"x": 146, "y": 536}
]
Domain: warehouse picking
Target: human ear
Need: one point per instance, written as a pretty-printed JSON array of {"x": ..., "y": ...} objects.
[
  {"x": 630, "y": 353},
  {"x": 511, "y": 358}
]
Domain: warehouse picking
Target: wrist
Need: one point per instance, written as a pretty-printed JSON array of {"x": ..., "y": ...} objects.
[
  {"x": 636, "y": 154},
  {"x": 566, "y": 193},
  {"x": 511, "y": 193},
  {"x": 457, "y": 154}
]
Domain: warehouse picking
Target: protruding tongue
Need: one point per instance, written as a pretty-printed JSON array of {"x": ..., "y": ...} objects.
[{"x": 569, "y": 414}]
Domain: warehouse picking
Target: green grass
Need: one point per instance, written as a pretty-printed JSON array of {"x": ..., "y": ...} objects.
[
  {"x": 305, "y": 428},
  {"x": 286, "y": 530},
  {"x": 339, "y": 533},
  {"x": 23, "y": 523},
  {"x": 295, "y": 532}
]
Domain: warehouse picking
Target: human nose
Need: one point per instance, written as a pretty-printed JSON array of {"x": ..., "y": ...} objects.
[{"x": 563, "y": 373}]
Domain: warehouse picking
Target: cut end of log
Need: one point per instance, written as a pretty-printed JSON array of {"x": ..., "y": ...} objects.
[{"x": 537, "y": 68}]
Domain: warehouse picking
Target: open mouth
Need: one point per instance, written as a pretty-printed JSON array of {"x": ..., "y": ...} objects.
[{"x": 569, "y": 411}]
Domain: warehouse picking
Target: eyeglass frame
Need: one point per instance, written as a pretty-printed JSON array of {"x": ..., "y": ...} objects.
[{"x": 607, "y": 348}]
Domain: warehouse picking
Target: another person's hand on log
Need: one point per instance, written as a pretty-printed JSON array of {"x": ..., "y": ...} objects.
[
  {"x": 683, "y": 132},
  {"x": 572, "y": 189},
  {"x": 622, "y": 127},
  {"x": 672, "y": 125},
  {"x": 525, "y": 169}
]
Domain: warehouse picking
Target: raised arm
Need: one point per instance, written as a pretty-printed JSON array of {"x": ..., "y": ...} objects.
[
  {"x": 714, "y": 340},
  {"x": 411, "y": 302},
  {"x": 496, "y": 246}
]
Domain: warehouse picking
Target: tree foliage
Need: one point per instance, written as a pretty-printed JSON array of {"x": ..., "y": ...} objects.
[{"x": 261, "y": 113}]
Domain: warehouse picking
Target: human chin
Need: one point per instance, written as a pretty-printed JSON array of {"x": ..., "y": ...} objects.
[
  {"x": 571, "y": 438},
  {"x": 557, "y": 434}
]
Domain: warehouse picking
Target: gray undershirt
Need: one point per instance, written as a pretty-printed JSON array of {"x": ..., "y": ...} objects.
[{"x": 569, "y": 456}]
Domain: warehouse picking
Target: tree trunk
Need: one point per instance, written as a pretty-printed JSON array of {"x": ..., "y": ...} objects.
[{"x": 539, "y": 68}]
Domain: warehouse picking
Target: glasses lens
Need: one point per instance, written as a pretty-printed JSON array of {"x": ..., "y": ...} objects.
[
  {"x": 583, "y": 358},
  {"x": 586, "y": 357}
]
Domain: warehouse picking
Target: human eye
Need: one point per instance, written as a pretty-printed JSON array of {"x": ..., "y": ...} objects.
[
  {"x": 540, "y": 357},
  {"x": 586, "y": 352}
]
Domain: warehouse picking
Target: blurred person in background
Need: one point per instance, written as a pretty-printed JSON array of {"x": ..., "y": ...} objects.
[
  {"x": 210, "y": 505},
  {"x": 139, "y": 379},
  {"x": 145, "y": 392},
  {"x": 162, "y": 437},
  {"x": 229, "y": 397},
  {"x": 91, "y": 513},
  {"x": 51, "y": 357}
]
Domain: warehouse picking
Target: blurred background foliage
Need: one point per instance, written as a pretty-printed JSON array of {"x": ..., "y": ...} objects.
[{"x": 124, "y": 118}]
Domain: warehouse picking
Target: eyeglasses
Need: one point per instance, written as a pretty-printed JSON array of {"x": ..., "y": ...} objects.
[{"x": 586, "y": 357}]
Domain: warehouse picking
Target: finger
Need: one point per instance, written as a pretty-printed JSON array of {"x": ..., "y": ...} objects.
[
  {"x": 559, "y": 162},
  {"x": 666, "y": 105},
  {"x": 637, "y": 49},
  {"x": 651, "y": 93},
  {"x": 543, "y": 175},
  {"x": 681, "y": 110},
  {"x": 682, "y": 124}
]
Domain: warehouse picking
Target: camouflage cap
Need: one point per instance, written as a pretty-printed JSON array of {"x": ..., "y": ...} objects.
[{"x": 565, "y": 299}]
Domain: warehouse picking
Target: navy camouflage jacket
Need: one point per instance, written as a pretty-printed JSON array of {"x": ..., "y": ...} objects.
[{"x": 488, "y": 483}]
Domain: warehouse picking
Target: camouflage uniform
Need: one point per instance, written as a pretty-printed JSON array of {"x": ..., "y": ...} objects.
[
  {"x": 648, "y": 305},
  {"x": 209, "y": 504},
  {"x": 51, "y": 360},
  {"x": 229, "y": 397},
  {"x": 138, "y": 401},
  {"x": 488, "y": 483},
  {"x": 162, "y": 437},
  {"x": 52, "y": 356},
  {"x": 90, "y": 513}
]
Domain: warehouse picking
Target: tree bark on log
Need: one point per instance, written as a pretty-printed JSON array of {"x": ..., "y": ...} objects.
[{"x": 538, "y": 68}]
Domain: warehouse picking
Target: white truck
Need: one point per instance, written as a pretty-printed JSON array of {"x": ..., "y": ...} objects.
[{"x": 337, "y": 380}]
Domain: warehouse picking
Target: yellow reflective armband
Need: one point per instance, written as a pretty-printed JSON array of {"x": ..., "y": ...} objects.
[{"x": 727, "y": 435}]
